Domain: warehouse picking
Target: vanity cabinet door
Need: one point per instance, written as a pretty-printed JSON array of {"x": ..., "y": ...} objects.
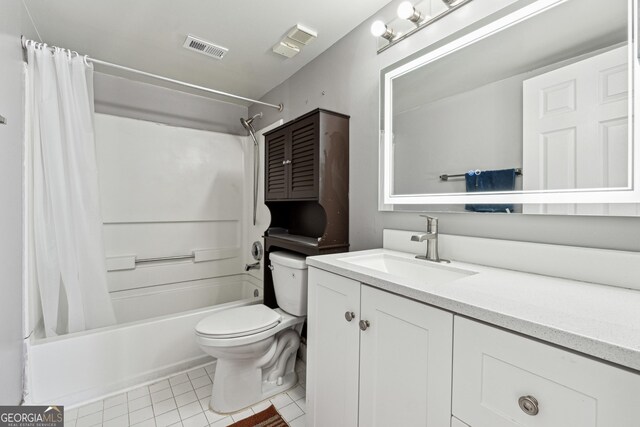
[
  {"x": 405, "y": 362},
  {"x": 332, "y": 350},
  {"x": 501, "y": 379}
]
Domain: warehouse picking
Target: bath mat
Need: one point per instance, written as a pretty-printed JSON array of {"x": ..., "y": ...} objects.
[{"x": 267, "y": 418}]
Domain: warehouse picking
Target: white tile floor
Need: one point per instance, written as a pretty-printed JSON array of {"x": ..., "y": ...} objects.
[{"x": 181, "y": 400}]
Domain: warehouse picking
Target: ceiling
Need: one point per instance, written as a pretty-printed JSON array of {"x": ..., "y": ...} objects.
[{"x": 148, "y": 35}]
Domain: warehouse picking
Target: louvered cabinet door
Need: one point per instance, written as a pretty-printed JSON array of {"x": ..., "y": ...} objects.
[
  {"x": 303, "y": 168},
  {"x": 276, "y": 180}
]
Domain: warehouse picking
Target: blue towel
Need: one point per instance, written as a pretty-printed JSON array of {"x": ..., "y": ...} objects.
[{"x": 496, "y": 180}]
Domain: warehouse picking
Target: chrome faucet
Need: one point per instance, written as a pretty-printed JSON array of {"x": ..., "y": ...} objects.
[
  {"x": 431, "y": 236},
  {"x": 254, "y": 266}
]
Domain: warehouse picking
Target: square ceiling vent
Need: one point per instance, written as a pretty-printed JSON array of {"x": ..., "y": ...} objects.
[
  {"x": 302, "y": 34},
  {"x": 205, "y": 47}
]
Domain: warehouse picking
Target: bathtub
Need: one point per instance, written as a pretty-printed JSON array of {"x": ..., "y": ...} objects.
[{"x": 154, "y": 338}]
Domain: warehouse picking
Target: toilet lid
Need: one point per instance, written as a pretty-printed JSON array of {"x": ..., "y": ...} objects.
[{"x": 239, "y": 321}]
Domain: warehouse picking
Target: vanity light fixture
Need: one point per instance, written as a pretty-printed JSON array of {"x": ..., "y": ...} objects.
[
  {"x": 407, "y": 11},
  {"x": 380, "y": 29}
]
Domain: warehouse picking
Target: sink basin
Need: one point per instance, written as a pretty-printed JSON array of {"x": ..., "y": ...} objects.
[{"x": 409, "y": 268}]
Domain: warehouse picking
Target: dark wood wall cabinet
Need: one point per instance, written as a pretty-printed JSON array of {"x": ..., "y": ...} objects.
[
  {"x": 292, "y": 160},
  {"x": 307, "y": 187}
]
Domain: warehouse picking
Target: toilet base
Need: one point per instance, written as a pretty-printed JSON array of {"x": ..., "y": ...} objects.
[
  {"x": 242, "y": 382},
  {"x": 269, "y": 390}
]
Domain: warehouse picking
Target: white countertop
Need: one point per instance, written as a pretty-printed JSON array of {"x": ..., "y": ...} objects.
[{"x": 598, "y": 320}]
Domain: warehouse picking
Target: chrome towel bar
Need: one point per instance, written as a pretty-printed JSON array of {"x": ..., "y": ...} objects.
[
  {"x": 445, "y": 177},
  {"x": 165, "y": 258},
  {"x": 130, "y": 261}
]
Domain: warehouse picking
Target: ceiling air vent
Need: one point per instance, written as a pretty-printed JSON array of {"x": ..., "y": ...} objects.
[
  {"x": 204, "y": 47},
  {"x": 302, "y": 34}
]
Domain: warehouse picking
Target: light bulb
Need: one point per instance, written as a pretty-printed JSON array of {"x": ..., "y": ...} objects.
[
  {"x": 406, "y": 10},
  {"x": 378, "y": 28}
]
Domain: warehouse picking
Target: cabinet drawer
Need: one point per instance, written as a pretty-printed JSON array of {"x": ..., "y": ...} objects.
[{"x": 494, "y": 369}]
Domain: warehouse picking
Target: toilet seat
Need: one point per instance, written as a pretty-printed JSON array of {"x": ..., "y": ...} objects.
[{"x": 238, "y": 322}]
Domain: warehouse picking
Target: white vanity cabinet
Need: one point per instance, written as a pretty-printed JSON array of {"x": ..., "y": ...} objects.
[
  {"x": 374, "y": 358},
  {"x": 501, "y": 379},
  {"x": 381, "y": 359}
]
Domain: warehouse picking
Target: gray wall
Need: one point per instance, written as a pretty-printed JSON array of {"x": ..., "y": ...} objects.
[
  {"x": 345, "y": 78},
  {"x": 11, "y": 204},
  {"x": 128, "y": 98}
]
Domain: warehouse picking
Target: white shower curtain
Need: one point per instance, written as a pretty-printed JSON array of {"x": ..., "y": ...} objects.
[{"x": 67, "y": 226}]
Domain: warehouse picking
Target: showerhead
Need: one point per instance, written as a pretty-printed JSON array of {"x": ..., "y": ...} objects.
[{"x": 247, "y": 122}]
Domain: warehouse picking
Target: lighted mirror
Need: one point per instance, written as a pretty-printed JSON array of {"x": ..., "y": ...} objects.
[{"x": 535, "y": 109}]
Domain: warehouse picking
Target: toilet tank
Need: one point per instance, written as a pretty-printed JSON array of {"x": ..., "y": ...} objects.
[{"x": 289, "y": 271}]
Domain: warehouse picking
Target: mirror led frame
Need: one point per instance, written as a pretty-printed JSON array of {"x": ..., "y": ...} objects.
[{"x": 629, "y": 194}]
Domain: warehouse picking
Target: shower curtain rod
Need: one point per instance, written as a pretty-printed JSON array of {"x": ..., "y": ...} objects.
[{"x": 278, "y": 107}]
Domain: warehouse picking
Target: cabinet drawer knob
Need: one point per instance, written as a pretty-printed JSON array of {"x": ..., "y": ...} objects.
[
  {"x": 349, "y": 315},
  {"x": 364, "y": 324},
  {"x": 528, "y": 404}
]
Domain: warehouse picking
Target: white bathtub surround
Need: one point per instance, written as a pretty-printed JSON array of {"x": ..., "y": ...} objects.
[
  {"x": 594, "y": 319},
  {"x": 169, "y": 191},
  {"x": 146, "y": 303},
  {"x": 67, "y": 234},
  {"x": 181, "y": 399}
]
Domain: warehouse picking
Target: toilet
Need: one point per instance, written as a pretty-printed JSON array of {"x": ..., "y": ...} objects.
[{"x": 255, "y": 345}]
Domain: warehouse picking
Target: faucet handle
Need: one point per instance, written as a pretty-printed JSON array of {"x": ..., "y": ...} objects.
[
  {"x": 429, "y": 217},
  {"x": 432, "y": 222}
]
